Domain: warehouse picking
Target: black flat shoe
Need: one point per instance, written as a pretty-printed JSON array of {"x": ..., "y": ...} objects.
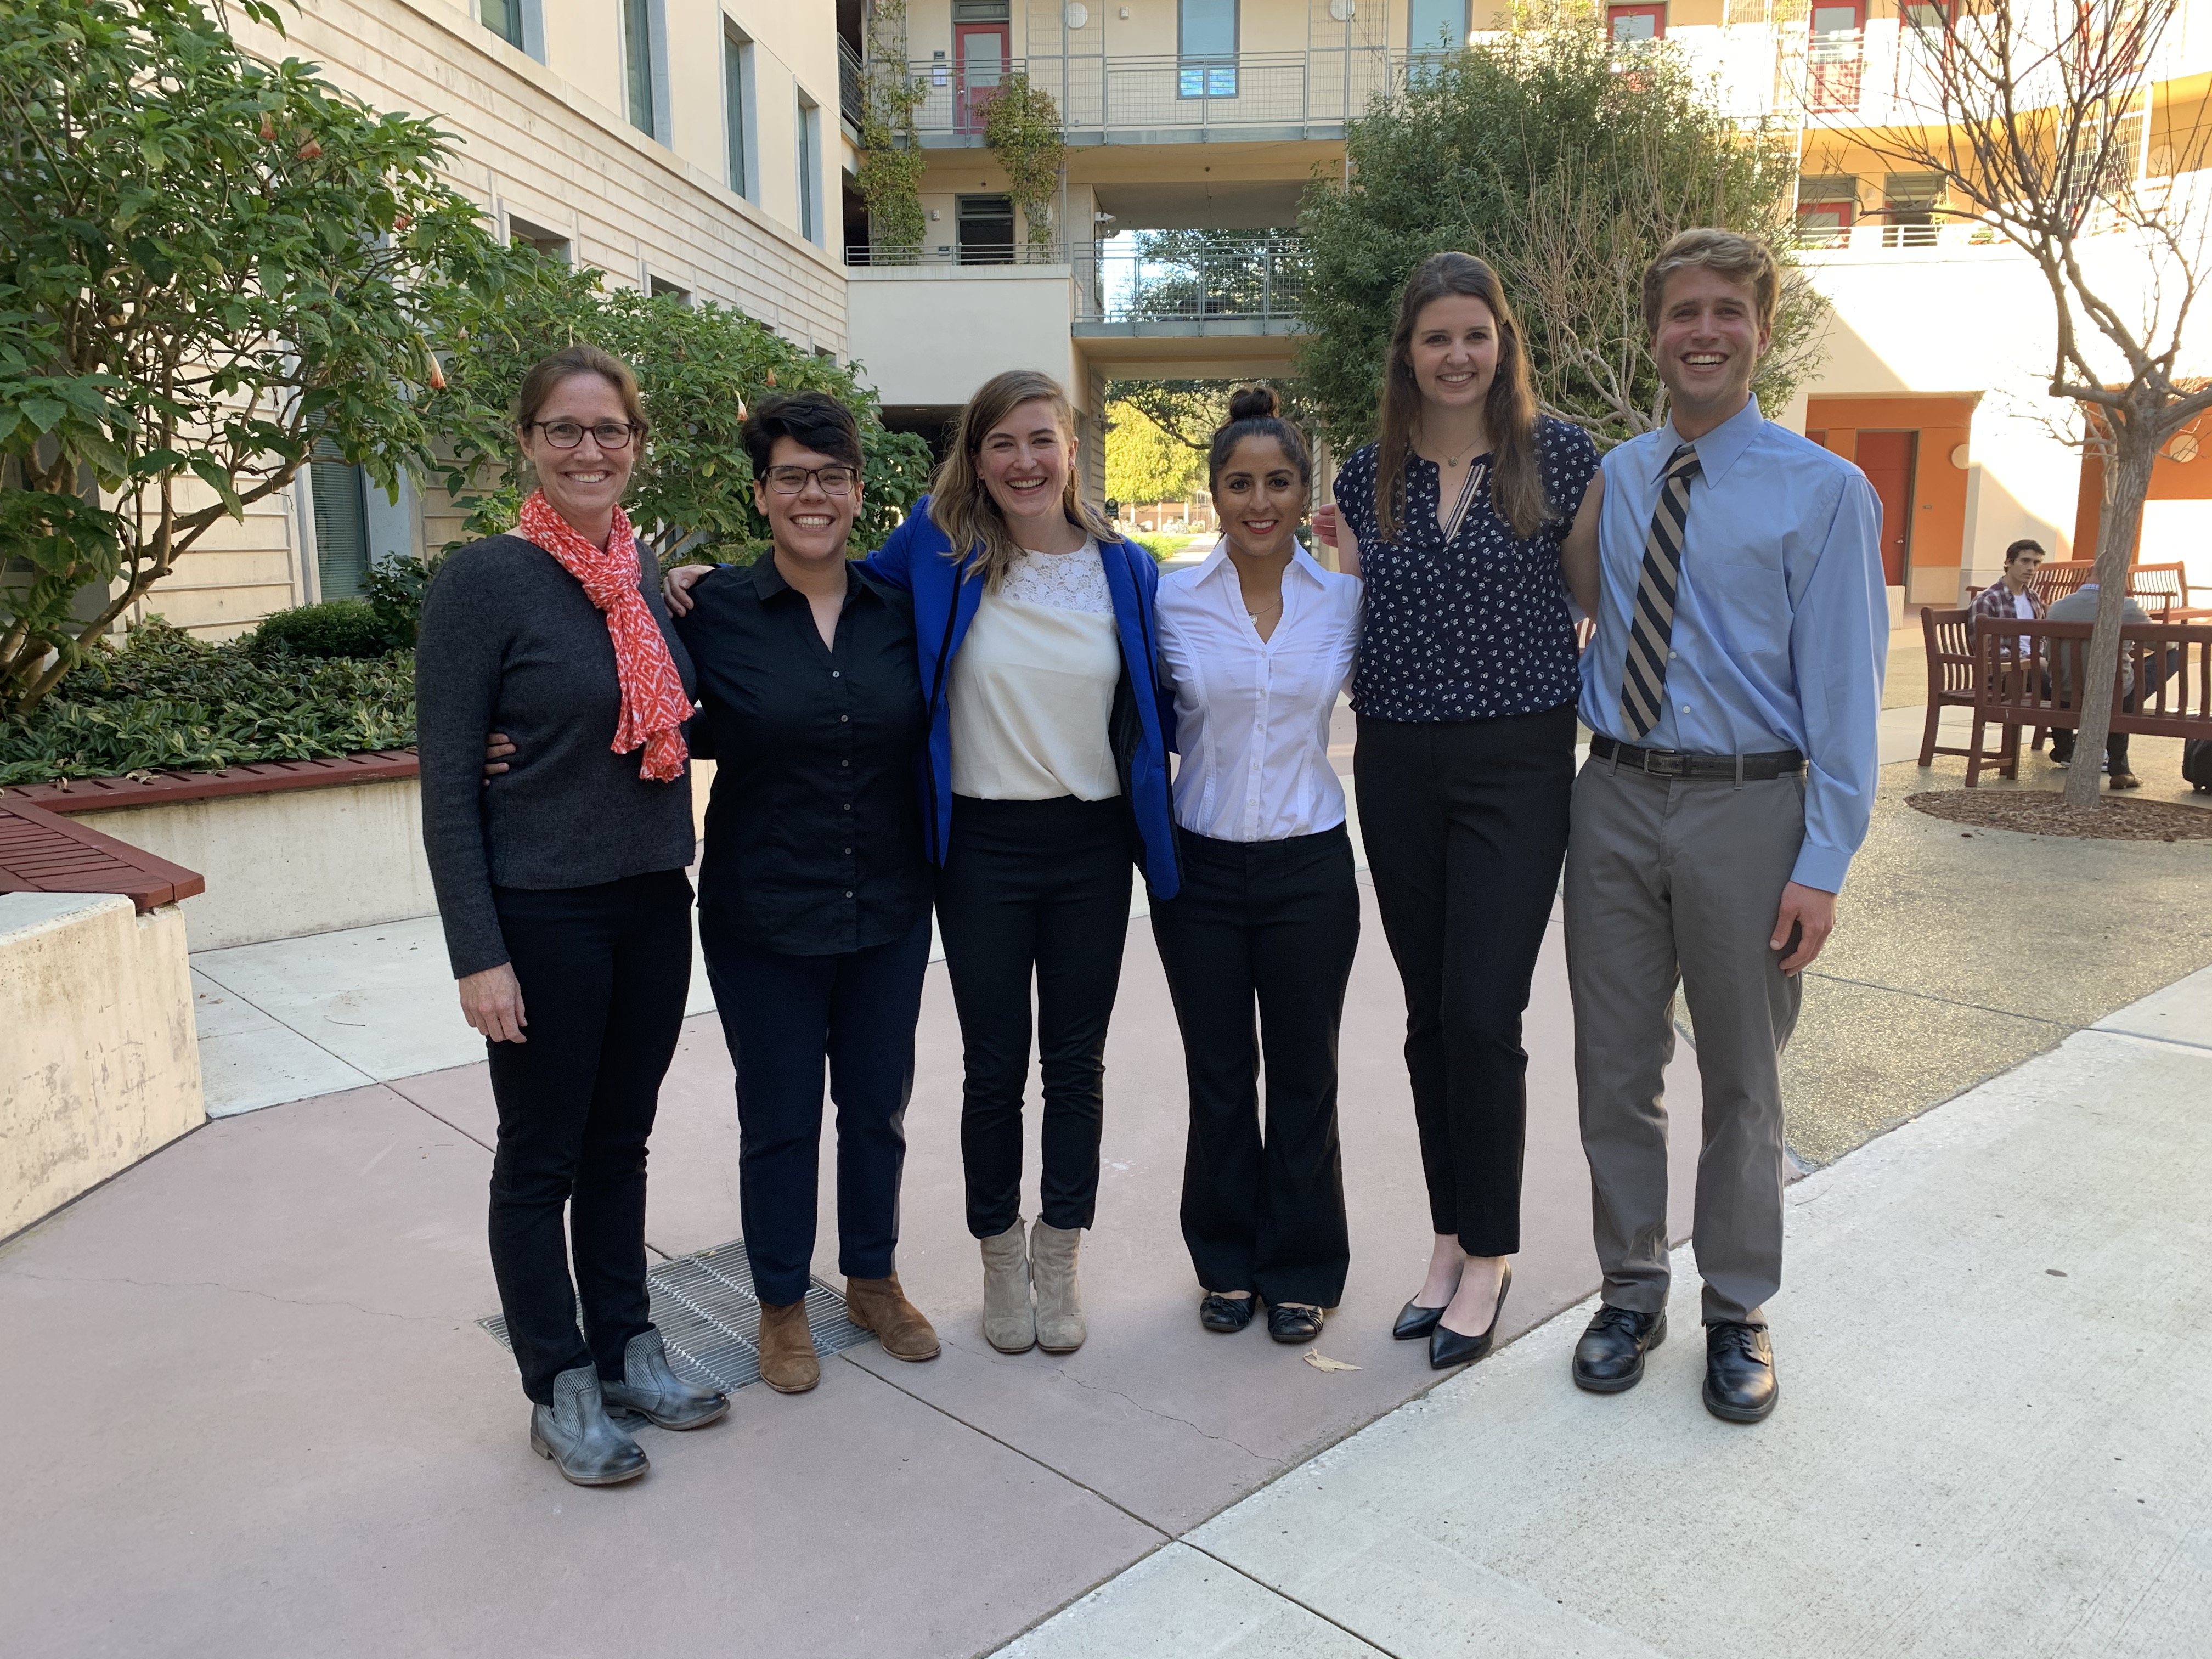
[
  {"x": 1447, "y": 1348},
  {"x": 1414, "y": 1321},
  {"x": 1609, "y": 1359},
  {"x": 1740, "y": 1385},
  {"x": 1225, "y": 1314},
  {"x": 1293, "y": 1323}
]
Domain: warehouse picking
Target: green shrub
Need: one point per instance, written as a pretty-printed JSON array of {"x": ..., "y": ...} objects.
[
  {"x": 394, "y": 588},
  {"x": 336, "y": 627},
  {"x": 1161, "y": 548},
  {"x": 166, "y": 700}
]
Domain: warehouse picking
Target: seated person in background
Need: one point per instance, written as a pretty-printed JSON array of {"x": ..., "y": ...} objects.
[
  {"x": 2080, "y": 606},
  {"x": 2010, "y": 596}
]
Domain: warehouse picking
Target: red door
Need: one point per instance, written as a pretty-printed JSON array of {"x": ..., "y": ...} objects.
[
  {"x": 980, "y": 49},
  {"x": 1886, "y": 459}
]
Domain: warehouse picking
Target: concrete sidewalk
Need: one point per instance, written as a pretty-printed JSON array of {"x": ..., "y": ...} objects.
[{"x": 1994, "y": 1434}]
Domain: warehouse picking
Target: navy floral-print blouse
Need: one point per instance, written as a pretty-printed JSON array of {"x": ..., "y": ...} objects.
[{"x": 1477, "y": 626}]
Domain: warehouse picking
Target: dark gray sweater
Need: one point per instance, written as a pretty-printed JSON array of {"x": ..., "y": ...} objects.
[{"x": 510, "y": 643}]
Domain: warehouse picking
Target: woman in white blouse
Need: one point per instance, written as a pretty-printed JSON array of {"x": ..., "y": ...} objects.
[{"x": 1258, "y": 642}]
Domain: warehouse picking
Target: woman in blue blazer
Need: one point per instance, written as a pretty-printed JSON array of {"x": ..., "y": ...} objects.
[{"x": 1045, "y": 774}]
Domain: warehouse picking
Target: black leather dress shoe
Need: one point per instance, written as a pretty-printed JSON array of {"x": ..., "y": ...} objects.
[
  {"x": 1447, "y": 1348},
  {"x": 1225, "y": 1313},
  {"x": 1609, "y": 1359},
  {"x": 1415, "y": 1321},
  {"x": 1294, "y": 1323},
  {"x": 1740, "y": 1385}
]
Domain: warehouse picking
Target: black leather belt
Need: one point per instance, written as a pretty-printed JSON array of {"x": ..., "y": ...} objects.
[{"x": 1680, "y": 763}]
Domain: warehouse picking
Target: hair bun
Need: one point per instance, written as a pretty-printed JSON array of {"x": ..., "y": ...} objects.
[{"x": 1254, "y": 403}]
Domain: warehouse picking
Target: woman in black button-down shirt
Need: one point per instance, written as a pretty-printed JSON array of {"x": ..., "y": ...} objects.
[
  {"x": 813, "y": 893},
  {"x": 1465, "y": 695}
]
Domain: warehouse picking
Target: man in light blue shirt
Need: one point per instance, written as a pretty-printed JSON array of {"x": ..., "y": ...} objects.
[{"x": 1732, "y": 689}]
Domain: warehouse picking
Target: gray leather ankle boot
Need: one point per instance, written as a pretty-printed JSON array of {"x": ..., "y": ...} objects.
[
  {"x": 650, "y": 1388},
  {"x": 575, "y": 1433}
]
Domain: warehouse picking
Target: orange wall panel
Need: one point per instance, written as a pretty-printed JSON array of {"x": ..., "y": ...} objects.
[{"x": 1939, "y": 487}]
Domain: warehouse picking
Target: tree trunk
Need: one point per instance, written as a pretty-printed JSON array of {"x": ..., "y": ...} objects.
[{"x": 2127, "y": 482}]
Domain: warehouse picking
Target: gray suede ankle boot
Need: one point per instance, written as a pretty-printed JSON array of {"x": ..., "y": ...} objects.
[
  {"x": 1060, "y": 1324},
  {"x": 1009, "y": 1320},
  {"x": 650, "y": 1388},
  {"x": 575, "y": 1433}
]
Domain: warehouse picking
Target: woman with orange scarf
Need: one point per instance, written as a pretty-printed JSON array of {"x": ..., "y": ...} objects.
[{"x": 567, "y": 915}]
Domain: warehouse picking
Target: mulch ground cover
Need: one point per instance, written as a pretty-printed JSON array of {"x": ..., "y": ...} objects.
[{"x": 2045, "y": 812}]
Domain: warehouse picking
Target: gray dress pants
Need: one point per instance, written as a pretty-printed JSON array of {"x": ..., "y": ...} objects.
[{"x": 1672, "y": 881}]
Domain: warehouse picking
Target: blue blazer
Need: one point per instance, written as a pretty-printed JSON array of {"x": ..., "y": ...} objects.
[{"x": 917, "y": 559}]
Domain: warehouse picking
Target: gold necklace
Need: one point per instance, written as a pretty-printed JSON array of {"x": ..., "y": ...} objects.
[
  {"x": 1454, "y": 460},
  {"x": 1265, "y": 610}
]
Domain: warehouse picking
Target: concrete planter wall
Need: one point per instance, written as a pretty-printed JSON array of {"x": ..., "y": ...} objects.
[{"x": 98, "y": 1063}]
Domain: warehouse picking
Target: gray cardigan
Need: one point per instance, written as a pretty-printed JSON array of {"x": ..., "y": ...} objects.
[{"x": 511, "y": 643}]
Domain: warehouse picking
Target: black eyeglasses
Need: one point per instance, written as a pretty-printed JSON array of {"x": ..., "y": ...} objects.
[
  {"x": 567, "y": 434},
  {"x": 791, "y": 480}
]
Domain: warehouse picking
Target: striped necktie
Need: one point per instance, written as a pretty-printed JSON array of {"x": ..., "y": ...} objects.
[{"x": 1643, "y": 685}]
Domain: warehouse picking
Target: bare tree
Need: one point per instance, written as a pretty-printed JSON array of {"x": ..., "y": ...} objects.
[{"x": 2033, "y": 117}]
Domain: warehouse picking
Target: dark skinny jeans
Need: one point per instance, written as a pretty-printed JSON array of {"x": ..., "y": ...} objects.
[
  {"x": 603, "y": 972},
  {"x": 1034, "y": 891}
]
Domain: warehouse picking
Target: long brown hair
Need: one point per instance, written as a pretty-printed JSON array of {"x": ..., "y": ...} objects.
[
  {"x": 960, "y": 503},
  {"x": 1516, "y": 483}
]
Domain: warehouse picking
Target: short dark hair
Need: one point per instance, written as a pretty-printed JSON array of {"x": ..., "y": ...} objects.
[
  {"x": 2025, "y": 544},
  {"x": 812, "y": 420}
]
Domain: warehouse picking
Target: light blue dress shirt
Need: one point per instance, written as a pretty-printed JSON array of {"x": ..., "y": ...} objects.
[{"x": 1781, "y": 619}]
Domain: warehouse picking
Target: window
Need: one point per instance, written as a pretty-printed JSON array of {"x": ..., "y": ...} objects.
[
  {"x": 1436, "y": 26},
  {"x": 1909, "y": 205},
  {"x": 341, "y": 523},
  {"x": 810, "y": 170},
  {"x": 1208, "y": 46},
  {"x": 737, "y": 112},
  {"x": 1826, "y": 207},
  {"x": 1629, "y": 25},
  {"x": 645, "y": 72},
  {"x": 1836, "y": 63},
  {"x": 550, "y": 243},
  {"x": 660, "y": 287},
  {"x": 986, "y": 224},
  {"x": 503, "y": 18}
]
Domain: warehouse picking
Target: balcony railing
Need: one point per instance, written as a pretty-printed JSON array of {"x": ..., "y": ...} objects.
[
  {"x": 850, "y": 72},
  {"x": 1191, "y": 283},
  {"x": 879, "y": 256},
  {"x": 1103, "y": 99}
]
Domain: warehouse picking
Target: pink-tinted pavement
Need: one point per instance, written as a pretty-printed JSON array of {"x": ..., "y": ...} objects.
[{"x": 251, "y": 1412}]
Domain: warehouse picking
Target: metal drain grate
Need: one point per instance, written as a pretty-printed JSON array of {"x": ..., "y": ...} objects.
[{"x": 710, "y": 1319}]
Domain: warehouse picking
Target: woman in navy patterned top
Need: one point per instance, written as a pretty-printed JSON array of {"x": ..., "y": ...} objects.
[{"x": 1465, "y": 695}]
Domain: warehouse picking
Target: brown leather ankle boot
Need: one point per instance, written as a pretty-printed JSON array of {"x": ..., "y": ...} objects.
[
  {"x": 787, "y": 1349},
  {"x": 879, "y": 1305}
]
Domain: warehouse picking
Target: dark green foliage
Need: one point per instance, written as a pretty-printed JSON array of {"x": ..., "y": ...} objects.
[
  {"x": 698, "y": 366},
  {"x": 336, "y": 627},
  {"x": 1567, "y": 167},
  {"x": 208, "y": 262},
  {"x": 166, "y": 700},
  {"x": 394, "y": 588}
]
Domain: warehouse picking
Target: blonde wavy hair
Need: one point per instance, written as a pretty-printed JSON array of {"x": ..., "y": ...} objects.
[{"x": 960, "y": 503}]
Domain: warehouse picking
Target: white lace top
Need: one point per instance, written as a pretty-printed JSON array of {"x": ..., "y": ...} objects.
[
  {"x": 1032, "y": 687},
  {"x": 1066, "y": 581}
]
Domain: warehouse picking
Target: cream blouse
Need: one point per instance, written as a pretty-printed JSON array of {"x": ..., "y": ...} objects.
[{"x": 1032, "y": 689}]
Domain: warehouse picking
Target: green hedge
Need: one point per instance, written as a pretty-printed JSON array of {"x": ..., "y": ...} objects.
[
  {"x": 336, "y": 627},
  {"x": 166, "y": 700}
]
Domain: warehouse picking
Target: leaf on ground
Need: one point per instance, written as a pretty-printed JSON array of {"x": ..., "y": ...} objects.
[{"x": 1322, "y": 1362}]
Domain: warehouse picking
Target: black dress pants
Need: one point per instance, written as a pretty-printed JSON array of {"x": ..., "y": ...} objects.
[
  {"x": 1466, "y": 827},
  {"x": 604, "y": 971},
  {"x": 783, "y": 1015},
  {"x": 1273, "y": 923},
  {"x": 1033, "y": 889}
]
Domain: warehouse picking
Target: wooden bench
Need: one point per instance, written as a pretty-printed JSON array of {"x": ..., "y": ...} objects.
[
  {"x": 1954, "y": 666},
  {"x": 41, "y": 852},
  {"x": 2163, "y": 591},
  {"x": 2044, "y": 688}
]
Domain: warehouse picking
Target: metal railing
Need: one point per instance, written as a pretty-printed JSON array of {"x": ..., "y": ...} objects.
[
  {"x": 878, "y": 255},
  {"x": 1103, "y": 95},
  {"x": 850, "y": 74},
  {"x": 1191, "y": 283}
]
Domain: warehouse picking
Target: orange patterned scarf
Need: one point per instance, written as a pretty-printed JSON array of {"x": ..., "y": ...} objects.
[{"x": 653, "y": 703}]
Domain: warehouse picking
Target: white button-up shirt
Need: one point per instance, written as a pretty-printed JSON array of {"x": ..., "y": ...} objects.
[{"x": 1252, "y": 716}]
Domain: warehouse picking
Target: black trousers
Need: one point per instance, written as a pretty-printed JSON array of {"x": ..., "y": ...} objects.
[
  {"x": 783, "y": 1015},
  {"x": 1033, "y": 889},
  {"x": 1275, "y": 924},
  {"x": 603, "y": 972},
  {"x": 1466, "y": 826}
]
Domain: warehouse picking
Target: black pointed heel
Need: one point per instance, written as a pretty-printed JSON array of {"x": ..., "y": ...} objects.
[
  {"x": 1415, "y": 1321},
  {"x": 1447, "y": 1348}
]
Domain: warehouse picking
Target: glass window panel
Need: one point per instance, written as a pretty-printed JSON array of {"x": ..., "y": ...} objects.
[
  {"x": 733, "y": 108},
  {"x": 637, "y": 48},
  {"x": 1209, "y": 29},
  {"x": 503, "y": 18},
  {"x": 341, "y": 523},
  {"x": 1433, "y": 25}
]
